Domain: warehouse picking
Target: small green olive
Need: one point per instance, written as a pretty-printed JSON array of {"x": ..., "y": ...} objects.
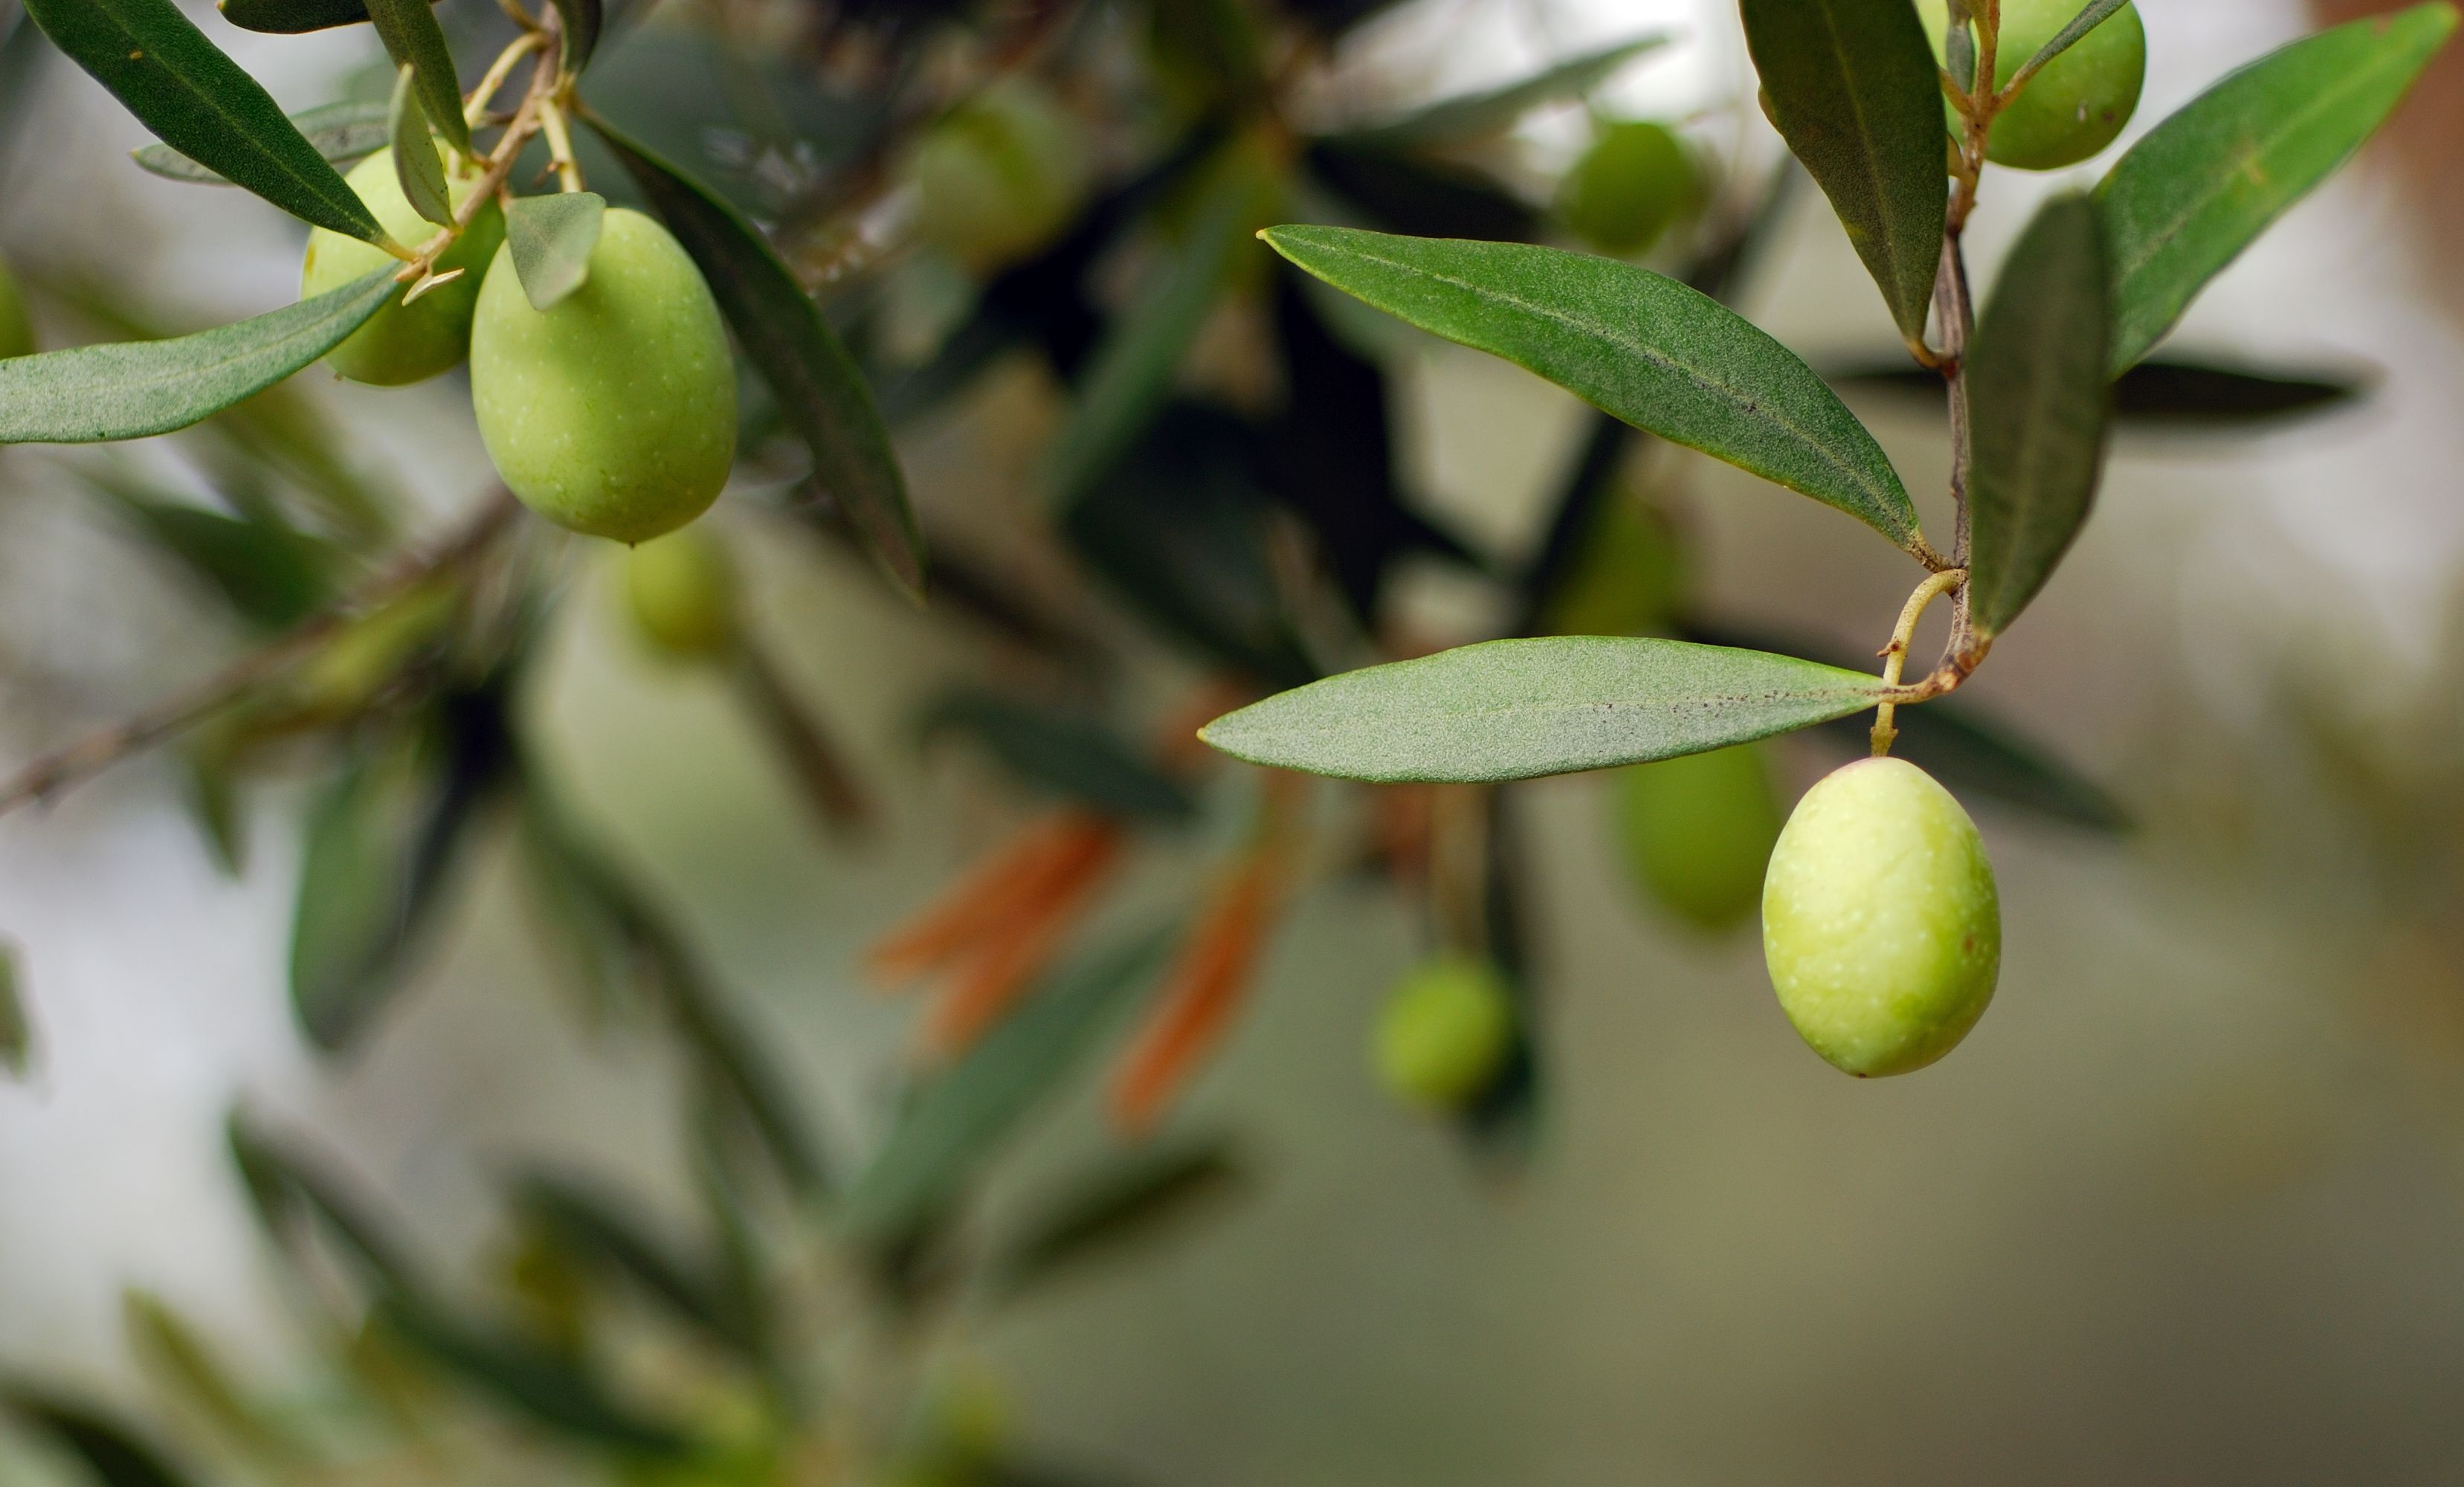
[
  {"x": 403, "y": 342},
  {"x": 613, "y": 412},
  {"x": 1444, "y": 1031},
  {"x": 999, "y": 176},
  {"x": 16, "y": 331},
  {"x": 1633, "y": 184},
  {"x": 681, "y": 592},
  {"x": 1628, "y": 578},
  {"x": 1882, "y": 926},
  {"x": 1698, "y": 832},
  {"x": 2079, "y": 102}
]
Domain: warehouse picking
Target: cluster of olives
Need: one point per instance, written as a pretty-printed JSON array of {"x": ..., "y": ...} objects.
[{"x": 611, "y": 412}]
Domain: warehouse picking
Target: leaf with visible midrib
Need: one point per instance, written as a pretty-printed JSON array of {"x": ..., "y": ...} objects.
[
  {"x": 1635, "y": 343},
  {"x": 200, "y": 103},
  {"x": 820, "y": 389},
  {"x": 340, "y": 132},
  {"x": 2190, "y": 196},
  {"x": 413, "y": 39},
  {"x": 2037, "y": 394},
  {"x": 1519, "y": 709},
  {"x": 91, "y": 394},
  {"x": 1856, "y": 92}
]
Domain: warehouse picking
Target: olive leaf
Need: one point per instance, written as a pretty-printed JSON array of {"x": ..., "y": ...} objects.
[
  {"x": 415, "y": 41},
  {"x": 552, "y": 239},
  {"x": 1450, "y": 121},
  {"x": 2192, "y": 195},
  {"x": 820, "y": 389},
  {"x": 16, "y": 1029},
  {"x": 1854, "y": 90},
  {"x": 1126, "y": 1199},
  {"x": 184, "y": 1366},
  {"x": 1518, "y": 709},
  {"x": 2168, "y": 393},
  {"x": 580, "y": 21},
  {"x": 1070, "y": 753},
  {"x": 294, "y": 17},
  {"x": 198, "y": 101},
  {"x": 343, "y": 133},
  {"x": 271, "y": 574},
  {"x": 2096, "y": 13},
  {"x": 2037, "y": 387},
  {"x": 111, "y": 1451},
  {"x": 92, "y": 394},
  {"x": 417, "y": 167},
  {"x": 544, "y": 1386},
  {"x": 589, "y": 1223},
  {"x": 1634, "y": 343}
]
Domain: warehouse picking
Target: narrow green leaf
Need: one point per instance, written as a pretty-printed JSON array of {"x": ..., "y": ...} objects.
[
  {"x": 819, "y": 387},
  {"x": 1854, "y": 91},
  {"x": 551, "y": 237},
  {"x": 597, "y": 1229},
  {"x": 417, "y": 167},
  {"x": 294, "y": 17},
  {"x": 290, "y": 1187},
  {"x": 413, "y": 39},
  {"x": 1518, "y": 709},
  {"x": 2190, "y": 196},
  {"x": 197, "y": 101},
  {"x": 16, "y": 1029},
  {"x": 1634, "y": 343},
  {"x": 2166, "y": 393},
  {"x": 114, "y": 1454},
  {"x": 91, "y": 394},
  {"x": 186, "y": 1367},
  {"x": 956, "y": 1121},
  {"x": 343, "y": 133},
  {"x": 543, "y": 1385},
  {"x": 2037, "y": 393},
  {"x": 1128, "y": 1200},
  {"x": 580, "y": 21},
  {"x": 1066, "y": 752},
  {"x": 269, "y": 575},
  {"x": 1451, "y": 121},
  {"x": 2095, "y": 15}
]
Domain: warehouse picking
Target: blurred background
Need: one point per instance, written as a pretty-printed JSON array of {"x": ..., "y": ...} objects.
[{"x": 2186, "y": 1207}]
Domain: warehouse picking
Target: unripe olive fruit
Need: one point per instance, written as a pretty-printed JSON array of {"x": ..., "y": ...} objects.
[
  {"x": 2077, "y": 105},
  {"x": 613, "y": 411},
  {"x": 16, "y": 331},
  {"x": 681, "y": 593},
  {"x": 1880, "y": 923},
  {"x": 1629, "y": 578},
  {"x": 1635, "y": 182},
  {"x": 405, "y": 343},
  {"x": 999, "y": 176},
  {"x": 1698, "y": 832},
  {"x": 1444, "y": 1031}
]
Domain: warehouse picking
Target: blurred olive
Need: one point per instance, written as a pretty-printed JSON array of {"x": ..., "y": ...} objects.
[
  {"x": 1001, "y": 176},
  {"x": 1633, "y": 184},
  {"x": 1698, "y": 831},
  {"x": 405, "y": 343},
  {"x": 2077, "y": 105},
  {"x": 680, "y": 591},
  {"x": 1628, "y": 577},
  {"x": 16, "y": 331},
  {"x": 1444, "y": 1031}
]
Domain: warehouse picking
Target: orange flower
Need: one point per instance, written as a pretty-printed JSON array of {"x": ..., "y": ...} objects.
[{"x": 1201, "y": 993}]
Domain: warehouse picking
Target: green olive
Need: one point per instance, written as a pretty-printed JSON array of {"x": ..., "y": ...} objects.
[
  {"x": 1445, "y": 1033},
  {"x": 1633, "y": 184},
  {"x": 405, "y": 343},
  {"x": 2078, "y": 103},
  {"x": 1629, "y": 577},
  {"x": 681, "y": 592},
  {"x": 1882, "y": 926},
  {"x": 1698, "y": 832},
  {"x": 1001, "y": 176},
  {"x": 16, "y": 331},
  {"x": 613, "y": 412}
]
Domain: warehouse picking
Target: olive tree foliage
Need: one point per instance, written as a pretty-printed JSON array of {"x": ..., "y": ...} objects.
[{"x": 750, "y": 248}]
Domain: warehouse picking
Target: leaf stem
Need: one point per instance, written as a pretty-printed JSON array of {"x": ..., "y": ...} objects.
[
  {"x": 559, "y": 145},
  {"x": 1894, "y": 655}
]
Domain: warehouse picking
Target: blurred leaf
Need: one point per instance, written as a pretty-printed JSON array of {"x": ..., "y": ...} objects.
[
  {"x": 536, "y": 1382},
  {"x": 197, "y": 101},
  {"x": 1124, "y": 1202},
  {"x": 2036, "y": 380},
  {"x": 1518, "y": 709},
  {"x": 1131, "y": 373},
  {"x": 110, "y": 1450},
  {"x": 596, "y": 1229},
  {"x": 1854, "y": 90},
  {"x": 417, "y": 168},
  {"x": 1071, "y": 753},
  {"x": 1646, "y": 348},
  {"x": 582, "y": 22},
  {"x": 1478, "y": 114},
  {"x": 956, "y": 1121},
  {"x": 91, "y": 394},
  {"x": 816, "y": 761},
  {"x": 16, "y": 1029},
  {"x": 291, "y": 1188},
  {"x": 2095, "y": 14},
  {"x": 2166, "y": 393},
  {"x": 212, "y": 799},
  {"x": 292, "y": 17},
  {"x": 184, "y": 1366},
  {"x": 818, "y": 384},
  {"x": 1418, "y": 196},
  {"x": 1212, "y": 49},
  {"x": 415, "y": 41},
  {"x": 271, "y": 576},
  {"x": 552, "y": 239},
  {"x": 2191, "y": 194},
  {"x": 343, "y": 133}
]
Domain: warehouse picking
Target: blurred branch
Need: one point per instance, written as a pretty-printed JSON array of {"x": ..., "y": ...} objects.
[{"x": 54, "y": 773}]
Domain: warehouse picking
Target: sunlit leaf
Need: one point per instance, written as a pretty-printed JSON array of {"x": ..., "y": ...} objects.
[
  {"x": 1128, "y": 1200},
  {"x": 343, "y": 133},
  {"x": 2036, "y": 391},
  {"x": 1854, "y": 91},
  {"x": 293, "y": 17},
  {"x": 111, "y": 1451},
  {"x": 1635, "y": 343},
  {"x": 1066, "y": 752},
  {"x": 414, "y": 40},
  {"x": 1517, "y": 709},
  {"x": 551, "y": 237},
  {"x": 1473, "y": 115},
  {"x": 197, "y": 101},
  {"x": 91, "y": 394},
  {"x": 16, "y": 1029},
  {"x": 819, "y": 387},
  {"x": 2192, "y": 195},
  {"x": 417, "y": 168}
]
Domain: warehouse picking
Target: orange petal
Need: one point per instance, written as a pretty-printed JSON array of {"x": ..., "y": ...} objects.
[
  {"x": 959, "y": 919},
  {"x": 1199, "y": 995},
  {"x": 990, "y": 984}
]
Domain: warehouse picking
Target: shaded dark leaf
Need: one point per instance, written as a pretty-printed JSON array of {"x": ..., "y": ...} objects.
[
  {"x": 548, "y": 1389},
  {"x": 596, "y": 1228},
  {"x": 294, "y": 17},
  {"x": 2168, "y": 392},
  {"x": 1421, "y": 197},
  {"x": 114, "y": 1453},
  {"x": 414, "y": 40},
  {"x": 1123, "y": 1203},
  {"x": 1070, "y": 753},
  {"x": 580, "y": 21}
]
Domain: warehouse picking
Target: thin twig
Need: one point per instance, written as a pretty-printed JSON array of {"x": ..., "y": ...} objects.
[{"x": 56, "y": 772}]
